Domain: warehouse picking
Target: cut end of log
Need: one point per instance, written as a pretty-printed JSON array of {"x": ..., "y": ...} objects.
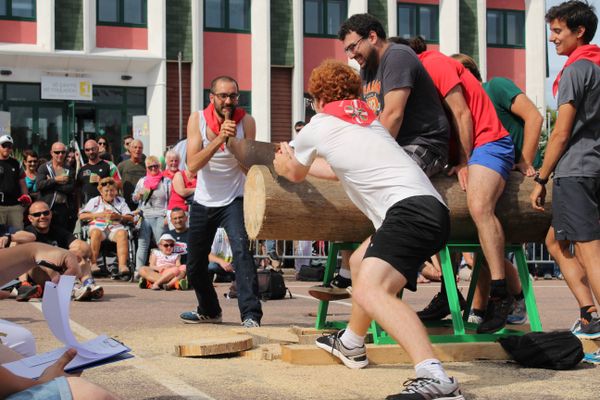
[
  {"x": 254, "y": 204},
  {"x": 213, "y": 346}
]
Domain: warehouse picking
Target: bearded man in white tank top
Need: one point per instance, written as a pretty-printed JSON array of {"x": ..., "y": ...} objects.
[{"x": 218, "y": 202}]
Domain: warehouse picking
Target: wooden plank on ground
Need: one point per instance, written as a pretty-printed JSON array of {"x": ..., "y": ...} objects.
[
  {"x": 212, "y": 346},
  {"x": 393, "y": 354},
  {"x": 268, "y": 352},
  {"x": 268, "y": 334}
]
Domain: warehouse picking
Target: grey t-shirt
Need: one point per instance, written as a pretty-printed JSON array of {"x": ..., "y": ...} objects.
[
  {"x": 580, "y": 85},
  {"x": 424, "y": 122}
]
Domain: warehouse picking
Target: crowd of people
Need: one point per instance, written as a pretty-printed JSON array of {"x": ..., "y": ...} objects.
[{"x": 411, "y": 113}]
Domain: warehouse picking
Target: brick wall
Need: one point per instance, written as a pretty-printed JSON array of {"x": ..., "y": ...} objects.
[
  {"x": 173, "y": 100},
  {"x": 281, "y": 104},
  {"x": 69, "y": 24}
]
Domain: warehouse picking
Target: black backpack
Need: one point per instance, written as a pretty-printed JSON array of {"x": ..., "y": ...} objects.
[
  {"x": 271, "y": 286},
  {"x": 311, "y": 273},
  {"x": 551, "y": 350}
]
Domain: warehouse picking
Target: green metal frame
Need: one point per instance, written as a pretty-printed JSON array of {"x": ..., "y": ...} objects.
[
  {"x": 121, "y": 16},
  {"x": 504, "y": 13},
  {"x": 463, "y": 331},
  {"x": 322, "y": 22},
  {"x": 226, "y": 28},
  {"x": 9, "y": 15},
  {"x": 417, "y": 7}
]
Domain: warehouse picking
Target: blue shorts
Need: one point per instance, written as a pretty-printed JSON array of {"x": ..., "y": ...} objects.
[
  {"x": 498, "y": 156},
  {"x": 56, "y": 389}
]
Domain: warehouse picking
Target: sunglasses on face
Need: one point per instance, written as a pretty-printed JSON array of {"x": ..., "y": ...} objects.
[
  {"x": 168, "y": 245},
  {"x": 102, "y": 143},
  {"x": 32, "y": 162},
  {"x": 60, "y": 152},
  {"x": 7, "y": 145},
  {"x": 103, "y": 184},
  {"x": 40, "y": 213},
  {"x": 155, "y": 166}
]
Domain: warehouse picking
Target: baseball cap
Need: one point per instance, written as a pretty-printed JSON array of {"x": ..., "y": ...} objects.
[
  {"x": 166, "y": 236},
  {"x": 6, "y": 139}
]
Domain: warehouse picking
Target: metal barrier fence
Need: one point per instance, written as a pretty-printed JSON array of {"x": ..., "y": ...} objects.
[{"x": 536, "y": 253}]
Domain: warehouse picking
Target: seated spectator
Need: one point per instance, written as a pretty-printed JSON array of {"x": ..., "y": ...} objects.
[
  {"x": 184, "y": 185},
  {"x": 40, "y": 217},
  {"x": 172, "y": 160},
  {"x": 165, "y": 270},
  {"x": 30, "y": 165},
  {"x": 152, "y": 196},
  {"x": 54, "y": 383},
  {"x": 107, "y": 215}
]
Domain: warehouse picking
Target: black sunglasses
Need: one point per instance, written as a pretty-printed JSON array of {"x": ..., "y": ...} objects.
[
  {"x": 102, "y": 143},
  {"x": 7, "y": 145},
  {"x": 168, "y": 245},
  {"x": 107, "y": 183},
  {"x": 40, "y": 213},
  {"x": 60, "y": 152},
  {"x": 153, "y": 166}
]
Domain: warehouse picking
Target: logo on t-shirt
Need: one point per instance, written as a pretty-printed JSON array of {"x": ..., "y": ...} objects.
[{"x": 371, "y": 93}]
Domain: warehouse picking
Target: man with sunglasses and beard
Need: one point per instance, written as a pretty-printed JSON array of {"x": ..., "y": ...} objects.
[
  {"x": 91, "y": 173},
  {"x": 56, "y": 183},
  {"x": 13, "y": 189},
  {"x": 218, "y": 201}
]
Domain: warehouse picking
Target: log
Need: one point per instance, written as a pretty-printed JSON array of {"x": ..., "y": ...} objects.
[
  {"x": 212, "y": 346},
  {"x": 318, "y": 209}
]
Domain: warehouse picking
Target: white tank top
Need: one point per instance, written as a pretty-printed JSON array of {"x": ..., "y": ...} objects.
[{"x": 221, "y": 180}]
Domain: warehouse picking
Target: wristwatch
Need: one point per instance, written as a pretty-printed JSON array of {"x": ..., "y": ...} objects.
[{"x": 540, "y": 180}]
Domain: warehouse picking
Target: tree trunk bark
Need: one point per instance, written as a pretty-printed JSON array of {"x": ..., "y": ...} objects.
[{"x": 318, "y": 209}]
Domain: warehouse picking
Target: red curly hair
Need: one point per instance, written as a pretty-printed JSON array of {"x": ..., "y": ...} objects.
[{"x": 334, "y": 80}]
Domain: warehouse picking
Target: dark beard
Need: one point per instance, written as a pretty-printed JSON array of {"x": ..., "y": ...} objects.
[
  {"x": 220, "y": 113},
  {"x": 372, "y": 63}
]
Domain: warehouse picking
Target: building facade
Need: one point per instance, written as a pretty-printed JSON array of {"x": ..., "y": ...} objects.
[{"x": 158, "y": 57}]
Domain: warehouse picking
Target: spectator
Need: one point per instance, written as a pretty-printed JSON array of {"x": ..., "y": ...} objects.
[
  {"x": 72, "y": 160},
  {"x": 172, "y": 161},
  {"x": 107, "y": 215},
  {"x": 30, "y": 165},
  {"x": 105, "y": 152},
  {"x": 181, "y": 149},
  {"x": 126, "y": 142},
  {"x": 91, "y": 173},
  {"x": 152, "y": 196},
  {"x": 53, "y": 234},
  {"x": 56, "y": 183},
  {"x": 54, "y": 383},
  {"x": 165, "y": 270},
  {"x": 13, "y": 189},
  {"x": 298, "y": 126},
  {"x": 132, "y": 170},
  {"x": 184, "y": 185}
]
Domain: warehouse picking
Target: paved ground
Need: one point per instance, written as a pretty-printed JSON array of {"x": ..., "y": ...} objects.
[{"x": 148, "y": 322}]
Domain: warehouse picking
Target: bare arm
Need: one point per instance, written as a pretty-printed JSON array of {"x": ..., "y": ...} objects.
[
  {"x": 152, "y": 261},
  {"x": 556, "y": 147},
  {"x": 393, "y": 113},
  {"x": 197, "y": 155},
  {"x": 23, "y": 186},
  {"x": 463, "y": 122},
  {"x": 221, "y": 261},
  {"x": 21, "y": 237},
  {"x": 528, "y": 112},
  {"x": 288, "y": 166},
  {"x": 321, "y": 169},
  {"x": 249, "y": 127},
  {"x": 179, "y": 185}
]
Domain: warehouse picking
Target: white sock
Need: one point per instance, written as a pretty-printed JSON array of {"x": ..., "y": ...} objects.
[
  {"x": 431, "y": 368},
  {"x": 345, "y": 273},
  {"x": 351, "y": 340}
]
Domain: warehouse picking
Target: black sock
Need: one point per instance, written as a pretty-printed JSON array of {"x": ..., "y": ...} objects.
[
  {"x": 519, "y": 296},
  {"x": 586, "y": 312},
  {"x": 499, "y": 288}
]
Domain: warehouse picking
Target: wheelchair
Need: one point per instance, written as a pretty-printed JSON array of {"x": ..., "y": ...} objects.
[{"x": 107, "y": 257}]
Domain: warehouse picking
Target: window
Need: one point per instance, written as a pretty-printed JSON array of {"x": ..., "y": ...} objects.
[
  {"x": 227, "y": 15},
  {"x": 505, "y": 28},
  {"x": 419, "y": 20},
  {"x": 17, "y": 9},
  {"x": 324, "y": 17},
  {"x": 122, "y": 12}
]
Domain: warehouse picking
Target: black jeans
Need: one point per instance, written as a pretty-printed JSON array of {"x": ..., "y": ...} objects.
[{"x": 204, "y": 222}]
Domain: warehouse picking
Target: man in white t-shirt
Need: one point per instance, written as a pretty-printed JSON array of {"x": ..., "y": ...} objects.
[{"x": 411, "y": 221}]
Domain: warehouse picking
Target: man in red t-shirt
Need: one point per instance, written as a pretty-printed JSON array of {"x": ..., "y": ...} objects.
[{"x": 486, "y": 157}]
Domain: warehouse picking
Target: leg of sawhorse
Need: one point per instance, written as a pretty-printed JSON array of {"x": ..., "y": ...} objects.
[
  {"x": 532, "y": 311},
  {"x": 450, "y": 283},
  {"x": 473, "y": 285},
  {"x": 327, "y": 277}
]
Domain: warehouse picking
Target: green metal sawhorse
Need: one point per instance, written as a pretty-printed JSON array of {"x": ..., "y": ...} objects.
[{"x": 458, "y": 322}]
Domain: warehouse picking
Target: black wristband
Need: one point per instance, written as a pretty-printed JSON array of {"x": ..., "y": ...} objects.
[
  {"x": 9, "y": 236},
  {"x": 540, "y": 180}
]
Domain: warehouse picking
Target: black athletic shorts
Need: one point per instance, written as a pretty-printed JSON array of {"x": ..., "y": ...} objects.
[
  {"x": 575, "y": 214},
  {"x": 413, "y": 230}
]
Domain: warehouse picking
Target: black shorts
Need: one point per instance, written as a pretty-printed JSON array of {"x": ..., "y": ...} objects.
[
  {"x": 575, "y": 214},
  {"x": 414, "y": 229}
]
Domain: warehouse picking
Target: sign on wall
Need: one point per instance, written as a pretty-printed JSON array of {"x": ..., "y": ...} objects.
[
  {"x": 141, "y": 130},
  {"x": 66, "y": 88},
  {"x": 4, "y": 123}
]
